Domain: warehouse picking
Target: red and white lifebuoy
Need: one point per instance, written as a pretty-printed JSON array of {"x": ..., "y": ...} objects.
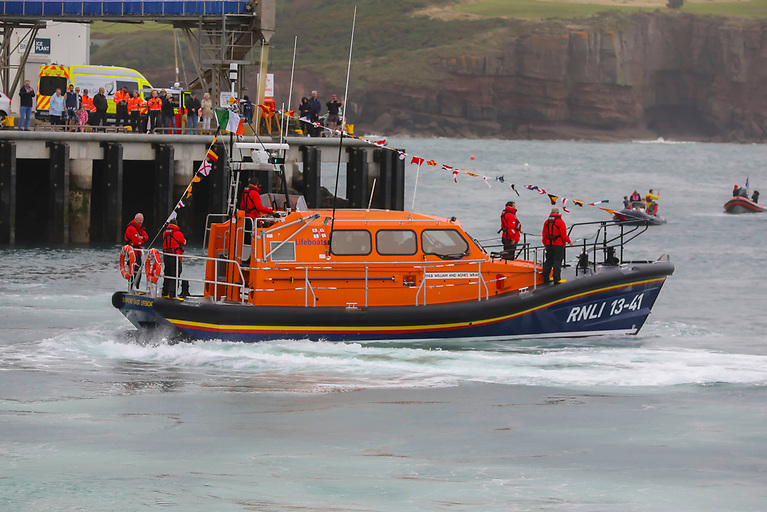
[
  {"x": 127, "y": 269},
  {"x": 153, "y": 265}
]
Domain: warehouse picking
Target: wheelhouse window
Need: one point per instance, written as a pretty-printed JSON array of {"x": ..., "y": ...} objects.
[
  {"x": 351, "y": 242},
  {"x": 396, "y": 242},
  {"x": 448, "y": 244}
]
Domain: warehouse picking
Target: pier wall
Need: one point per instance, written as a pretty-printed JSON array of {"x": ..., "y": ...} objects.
[{"x": 83, "y": 188}]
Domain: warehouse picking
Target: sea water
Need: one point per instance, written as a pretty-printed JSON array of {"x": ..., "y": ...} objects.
[{"x": 92, "y": 418}]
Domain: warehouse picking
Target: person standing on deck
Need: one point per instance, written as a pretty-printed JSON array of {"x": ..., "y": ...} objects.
[
  {"x": 173, "y": 243},
  {"x": 554, "y": 240},
  {"x": 135, "y": 236},
  {"x": 510, "y": 229}
]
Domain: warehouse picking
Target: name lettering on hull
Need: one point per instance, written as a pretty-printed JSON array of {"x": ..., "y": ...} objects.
[{"x": 596, "y": 310}]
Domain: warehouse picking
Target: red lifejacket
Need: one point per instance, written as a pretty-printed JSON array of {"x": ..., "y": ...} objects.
[
  {"x": 173, "y": 240},
  {"x": 510, "y": 226},
  {"x": 555, "y": 231},
  {"x": 251, "y": 203},
  {"x": 135, "y": 234}
]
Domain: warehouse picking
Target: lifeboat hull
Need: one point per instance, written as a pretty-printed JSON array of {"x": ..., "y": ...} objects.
[
  {"x": 743, "y": 205},
  {"x": 612, "y": 300}
]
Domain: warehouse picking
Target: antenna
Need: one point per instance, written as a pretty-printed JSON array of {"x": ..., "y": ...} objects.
[{"x": 341, "y": 138}]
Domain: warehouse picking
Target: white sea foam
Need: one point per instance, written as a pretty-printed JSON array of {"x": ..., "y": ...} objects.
[{"x": 298, "y": 364}]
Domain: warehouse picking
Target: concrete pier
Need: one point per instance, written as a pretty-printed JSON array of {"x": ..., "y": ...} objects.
[{"x": 71, "y": 187}]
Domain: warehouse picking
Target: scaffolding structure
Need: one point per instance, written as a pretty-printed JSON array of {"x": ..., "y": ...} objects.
[{"x": 220, "y": 34}]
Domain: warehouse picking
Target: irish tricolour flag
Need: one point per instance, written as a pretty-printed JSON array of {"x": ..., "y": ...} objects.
[{"x": 230, "y": 121}]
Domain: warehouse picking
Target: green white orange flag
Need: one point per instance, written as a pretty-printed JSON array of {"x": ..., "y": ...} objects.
[{"x": 229, "y": 121}]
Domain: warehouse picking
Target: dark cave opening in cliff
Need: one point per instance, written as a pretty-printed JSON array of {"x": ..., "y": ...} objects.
[{"x": 678, "y": 120}]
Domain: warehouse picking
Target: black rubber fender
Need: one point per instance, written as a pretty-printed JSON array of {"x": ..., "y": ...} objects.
[{"x": 117, "y": 299}]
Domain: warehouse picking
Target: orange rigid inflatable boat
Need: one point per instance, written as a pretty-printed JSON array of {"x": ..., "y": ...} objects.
[{"x": 357, "y": 275}]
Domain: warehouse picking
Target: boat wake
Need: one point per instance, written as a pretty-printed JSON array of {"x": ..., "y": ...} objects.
[{"x": 306, "y": 366}]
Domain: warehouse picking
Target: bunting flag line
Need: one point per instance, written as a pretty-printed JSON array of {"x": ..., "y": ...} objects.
[
  {"x": 417, "y": 160},
  {"x": 205, "y": 168},
  {"x": 211, "y": 155}
]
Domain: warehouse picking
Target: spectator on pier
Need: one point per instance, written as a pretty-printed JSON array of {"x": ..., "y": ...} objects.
[
  {"x": 87, "y": 103},
  {"x": 154, "y": 104},
  {"x": 56, "y": 108},
  {"x": 192, "y": 112},
  {"x": 82, "y": 117},
  {"x": 26, "y": 95},
  {"x": 121, "y": 107},
  {"x": 316, "y": 109},
  {"x": 100, "y": 104},
  {"x": 334, "y": 107},
  {"x": 168, "y": 112},
  {"x": 135, "y": 104},
  {"x": 173, "y": 242},
  {"x": 207, "y": 112},
  {"x": 71, "y": 103},
  {"x": 247, "y": 109}
]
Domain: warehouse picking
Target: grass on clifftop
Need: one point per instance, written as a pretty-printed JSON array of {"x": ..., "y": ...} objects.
[{"x": 536, "y": 9}]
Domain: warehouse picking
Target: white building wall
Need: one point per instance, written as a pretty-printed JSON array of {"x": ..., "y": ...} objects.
[{"x": 69, "y": 46}]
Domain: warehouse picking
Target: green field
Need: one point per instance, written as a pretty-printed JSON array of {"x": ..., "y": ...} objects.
[{"x": 532, "y": 9}]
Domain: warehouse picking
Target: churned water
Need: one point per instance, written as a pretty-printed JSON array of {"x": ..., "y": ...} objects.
[{"x": 672, "y": 419}]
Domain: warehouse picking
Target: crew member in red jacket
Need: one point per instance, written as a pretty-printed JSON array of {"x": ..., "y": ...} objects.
[
  {"x": 173, "y": 242},
  {"x": 510, "y": 228},
  {"x": 135, "y": 236},
  {"x": 554, "y": 240},
  {"x": 250, "y": 201}
]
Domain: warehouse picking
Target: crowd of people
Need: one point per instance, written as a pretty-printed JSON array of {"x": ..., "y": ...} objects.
[
  {"x": 310, "y": 109},
  {"x": 158, "y": 111},
  {"x": 80, "y": 111}
]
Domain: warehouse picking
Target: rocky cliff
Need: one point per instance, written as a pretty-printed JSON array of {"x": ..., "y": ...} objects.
[{"x": 670, "y": 75}]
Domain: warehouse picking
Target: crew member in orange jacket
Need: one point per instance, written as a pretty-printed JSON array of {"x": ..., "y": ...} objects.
[
  {"x": 121, "y": 106},
  {"x": 173, "y": 242},
  {"x": 134, "y": 108},
  {"x": 135, "y": 236},
  {"x": 154, "y": 103},
  {"x": 510, "y": 228},
  {"x": 554, "y": 240},
  {"x": 250, "y": 201}
]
